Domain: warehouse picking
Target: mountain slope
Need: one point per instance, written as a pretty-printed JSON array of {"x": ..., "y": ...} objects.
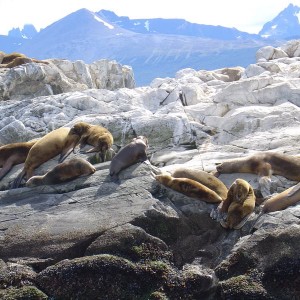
[{"x": 284, "y": 26}]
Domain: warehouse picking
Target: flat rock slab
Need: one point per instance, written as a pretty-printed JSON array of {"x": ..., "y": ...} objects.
[{"x": 60, "y": 221}]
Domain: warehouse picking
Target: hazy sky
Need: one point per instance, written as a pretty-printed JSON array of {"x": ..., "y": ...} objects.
[{"x": 245, "y": 15}]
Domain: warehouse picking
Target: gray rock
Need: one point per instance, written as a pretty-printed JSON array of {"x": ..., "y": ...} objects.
[{"x": 197, "y": 119}]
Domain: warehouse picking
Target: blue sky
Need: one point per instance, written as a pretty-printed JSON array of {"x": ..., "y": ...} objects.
[{"x": 244, "y": 15}]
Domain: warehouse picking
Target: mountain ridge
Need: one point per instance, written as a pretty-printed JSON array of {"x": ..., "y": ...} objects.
[{"x": 153, "y": 47}]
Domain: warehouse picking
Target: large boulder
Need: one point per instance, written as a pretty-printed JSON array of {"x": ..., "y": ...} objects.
[{"x": 59, "y": 76}]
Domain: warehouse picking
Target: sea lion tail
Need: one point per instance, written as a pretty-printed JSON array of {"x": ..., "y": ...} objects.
[{"x": 16, "y": 183}]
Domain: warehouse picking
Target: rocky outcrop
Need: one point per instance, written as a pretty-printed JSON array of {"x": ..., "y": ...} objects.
[
  {"x": 93, "y": 238},
  {"x": 60, "y": 76}
]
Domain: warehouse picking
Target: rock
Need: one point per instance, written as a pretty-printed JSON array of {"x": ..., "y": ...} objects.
[
  {"x": 92, "y": 236},
  {"x": 60, "y": 76},
  {"x": 268, "y": 53},
  {"x": 255, "y": 269}
]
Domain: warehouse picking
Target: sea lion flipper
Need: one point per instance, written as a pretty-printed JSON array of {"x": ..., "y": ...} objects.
[
  {"x": 294, "y": 190},
  {"x": 243, "y": 222}
]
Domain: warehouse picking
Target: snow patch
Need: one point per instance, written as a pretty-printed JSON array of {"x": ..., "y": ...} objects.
[
  {"x": 105, "y": 23},
  {"x": 274, "y": 26},
  {"x": 147, "y": 25},
  {"x": 298, "y": 16}
]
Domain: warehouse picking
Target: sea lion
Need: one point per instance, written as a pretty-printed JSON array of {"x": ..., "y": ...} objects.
[
  {"x": 2, "y": 54},
  {"x": 93, "y": 135},
  {"x": 264, "y": 164},
  {"x": 282, "y": 200},
  {"x": 238, "y": 205},
  {"x": 189, "y": 187},
  {"x": 21, "y": 61},
  {"x": 55, "y": 142},
  {"x": 204, "y": 178},
  {"x": 7, "y": 58},
  {"x": 130, "y": 154},
  {"x": 63, "y": 172},
  {"x": 13, "y": 154}
]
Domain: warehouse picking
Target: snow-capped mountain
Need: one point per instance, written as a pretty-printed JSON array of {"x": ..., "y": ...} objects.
[
  {"x": 175, "y": 27},
  {"x": 285, "y": 25}
]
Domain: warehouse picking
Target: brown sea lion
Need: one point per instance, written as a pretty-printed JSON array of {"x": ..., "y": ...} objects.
[
  {"x": 238, "y": 205},
  {"x": 7, "y": 58},
  {"x": 189, "y": 187},
  {"x": 282, "y": 200},
  {"x": 93, "y": 135},
  {"x": 2, "y": 54},
  {"x": 130, "y": 154},
  {"x": 55, "y": 142},
  {"x": 21, "y": 61},
  {"x": 264, "y": 164},
  {"x": 63, "y": 172},
  {"x": 204, "y": 178},
  {"x": 13, "y": 154}
]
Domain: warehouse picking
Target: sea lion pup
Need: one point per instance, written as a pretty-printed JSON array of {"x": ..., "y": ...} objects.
[
  {"x": 239, "y": 204},
  {"x": 204, "y": 178},
  {"x": 130, "y": 154},
  {"x": 282, "y": 200},
  {"x": 63, "y": 172},
  {"x": 21, "y": 61},
  {"x": 13, "y": 154},
  {"x": 189, "y": 187},
  {"x": 93, "y": 135},
  {"x": 55, "y": 142},
  {"x": 264, "y": 164}
]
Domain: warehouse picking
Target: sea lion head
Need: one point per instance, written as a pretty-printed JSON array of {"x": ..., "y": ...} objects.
[
  {"x": 240, "y": 189},
  {"x": 79, "y": 128},
  {"x": 142, "y": 139},
  {"x": 165, "y": 179}
]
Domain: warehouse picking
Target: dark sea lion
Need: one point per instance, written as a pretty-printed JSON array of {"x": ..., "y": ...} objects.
[
  {"x": 13, "y": 154},
  {"x": 203, "y": 177},
  {"x": 282, "y": 200},
  {"x": 238, "y": 205},
  {"x": 130, "y": 154},
  {"x": 63, "y": 172},
  {"x": 21, "y": 61},
  {"x": 55, "y": 142},
  {"x": 189, "y": 187},
  {"x": 7, "y": 58},
  {"x": 94, "y": 135},
  {"x": 264, "y": 164}
]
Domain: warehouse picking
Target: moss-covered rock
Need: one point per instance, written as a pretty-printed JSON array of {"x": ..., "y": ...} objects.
[
  {"x": 23, "y": 293},
  {"x": 101, "y": 277}
]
